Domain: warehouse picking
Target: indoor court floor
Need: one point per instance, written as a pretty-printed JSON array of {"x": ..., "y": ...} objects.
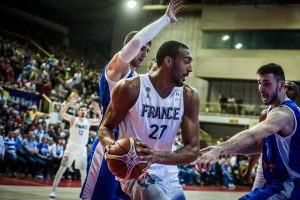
[{"x": 33, "y": 189}]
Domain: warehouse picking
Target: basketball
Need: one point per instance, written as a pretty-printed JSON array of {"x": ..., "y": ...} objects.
[{"x": 123, "y": 161}]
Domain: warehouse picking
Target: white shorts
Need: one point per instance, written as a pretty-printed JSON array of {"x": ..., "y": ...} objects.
[
  {"x": 161, "y": 182},
  {"x": 259, "y": 180},
  {"x": 78, "y": 153}
]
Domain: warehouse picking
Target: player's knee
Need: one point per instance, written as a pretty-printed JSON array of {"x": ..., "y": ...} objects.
[
  {"x": 64, "y": 161},
  {"x": 82, "y": 166}
]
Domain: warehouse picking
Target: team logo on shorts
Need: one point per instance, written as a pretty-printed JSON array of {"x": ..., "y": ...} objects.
[
  {"x": 145, "y": 180},
  {"x": 148, "y": 92}
]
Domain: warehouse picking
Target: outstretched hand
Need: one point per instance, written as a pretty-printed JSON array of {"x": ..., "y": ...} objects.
[
  {"x": 174, "y": 7},
  {"x": 208, "y": 157},
  {"x": 95, "y": 105},
  {"x": 74, "y": 99}
]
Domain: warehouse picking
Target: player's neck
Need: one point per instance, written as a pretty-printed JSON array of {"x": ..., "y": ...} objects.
[
  {"x": 132, "y": 68},
  {"x": 81, "y": 118},
  {"x": 161, "y": 84},
  {"x": 281, "y": 98}
]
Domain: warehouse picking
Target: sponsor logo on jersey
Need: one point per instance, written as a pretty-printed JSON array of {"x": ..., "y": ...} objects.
[
  {"x": 148, "y": 92},
  {"x": 177, "y": 95}
]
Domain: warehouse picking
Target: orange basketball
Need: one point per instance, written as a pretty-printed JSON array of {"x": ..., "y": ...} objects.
[{"x": 123, "y": 161}]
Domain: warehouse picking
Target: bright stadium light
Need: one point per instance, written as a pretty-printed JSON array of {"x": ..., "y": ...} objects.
[
  {"x": 225, "y": 37},
  {"x": 238, "y": 45},
  {"x": 131, "y": 3}
]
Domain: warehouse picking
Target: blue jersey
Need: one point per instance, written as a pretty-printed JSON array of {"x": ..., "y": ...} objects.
[
  {"x": 281, "y": 155},
  {"x": 281, "y": 163},
  {"x": 100, "y": 183},
  {"x": 105, "y": 88}
]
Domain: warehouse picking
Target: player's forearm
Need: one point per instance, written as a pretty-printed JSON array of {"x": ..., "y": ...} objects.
[
  {"x": 96, "y": 108},
  {"x": 64, "y": 109},
  {"x": 98, "y": 111},
  {"x": 238, "y": 144},
  {"x": 106, "y": 136},
  {"x": 144, "y": 36},
  {"x": 184, "y": 155},
  {"x": 252, "y": 149}
]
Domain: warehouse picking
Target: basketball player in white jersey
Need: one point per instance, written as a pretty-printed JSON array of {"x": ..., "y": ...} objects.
[
  {"x": 155, "y": 107},
  {"x": 100, "y": 183},
  {"x": 78, "y": 139}
]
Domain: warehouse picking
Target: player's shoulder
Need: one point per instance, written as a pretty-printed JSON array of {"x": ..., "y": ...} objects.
[
  {"x": 129, "y": 82},
  {"x": 128, "y": 86},
  {"x": 189, "y": 91},
  {"x": 282, "y": 112}
]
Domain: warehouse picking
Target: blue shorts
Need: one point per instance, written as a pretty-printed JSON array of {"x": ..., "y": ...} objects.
[{"x": 276, "y": 191}]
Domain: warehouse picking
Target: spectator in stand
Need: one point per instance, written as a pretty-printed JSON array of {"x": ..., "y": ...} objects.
[
  {"x": 227, "y": 175},
  {"x": 2, "y": 97},
  {"x": 223, "y": 103},
  {"x": 30, "y": 87},
  {"x": 46, "y": 87},
  {"x": 231, "y": 101},
  {"x": 11, "y": 154},
  {"x": 2, "y": 149},
  {"x": 44, "y": 157},
  {"x": 23, "y": 78},
  {"x": 30, "y": 149},
  {"x": 4, "y": 115},
  {"x": 19, "y": 149},
  {"x": 39, "y": 132},
  {"x": 57, "y": 152},
  {"x": 34, "y": 114},
  {"x": 52, "y": 132},
  {"x": 239, "y": 106},
  {"x": 50, "y": 145}
]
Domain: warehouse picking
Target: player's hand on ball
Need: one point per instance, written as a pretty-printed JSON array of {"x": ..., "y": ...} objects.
[
  {"x": 146, "y": 153},
  {"x": 124, "y": 161}
]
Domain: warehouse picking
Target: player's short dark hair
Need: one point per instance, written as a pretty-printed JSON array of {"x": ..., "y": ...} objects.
[
  {"x": 272, "y": 68},
  {"x": 82, "y": 106},
  {"x": 293, "y": 86},
  {"x": 169, "y": 48},
  {"x": 129, "y": 36},
  {"x": 151, "y": 64}
]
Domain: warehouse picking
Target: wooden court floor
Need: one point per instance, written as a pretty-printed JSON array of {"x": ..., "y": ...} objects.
[
  {"x": 33, "y": 189},
  {"x": 8, "y": 192}
]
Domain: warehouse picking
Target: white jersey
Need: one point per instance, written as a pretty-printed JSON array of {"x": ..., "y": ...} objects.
[
  {"x": 153, "y": 119},
  {"x": 79, "y": 132}
]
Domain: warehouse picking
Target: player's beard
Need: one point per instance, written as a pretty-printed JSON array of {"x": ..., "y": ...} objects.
[
  {"x": 175, "y": 76},
  {"x": 273, "y": 98}
]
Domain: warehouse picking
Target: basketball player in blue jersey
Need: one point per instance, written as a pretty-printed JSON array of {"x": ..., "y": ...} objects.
[
  {"x": 78, "y": 139},
  {"x": 291, "y": 90},
  {"x": 280, "y": 133},
  {"x": 100, "y": 183},
  {"x": 156, "y": 106}
]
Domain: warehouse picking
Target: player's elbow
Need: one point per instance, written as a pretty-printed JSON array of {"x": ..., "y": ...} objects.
[
  {"x": 101, "y": 137},
  {"x": 136, "y": 43},
  {"x": 105, "y": 138}
]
